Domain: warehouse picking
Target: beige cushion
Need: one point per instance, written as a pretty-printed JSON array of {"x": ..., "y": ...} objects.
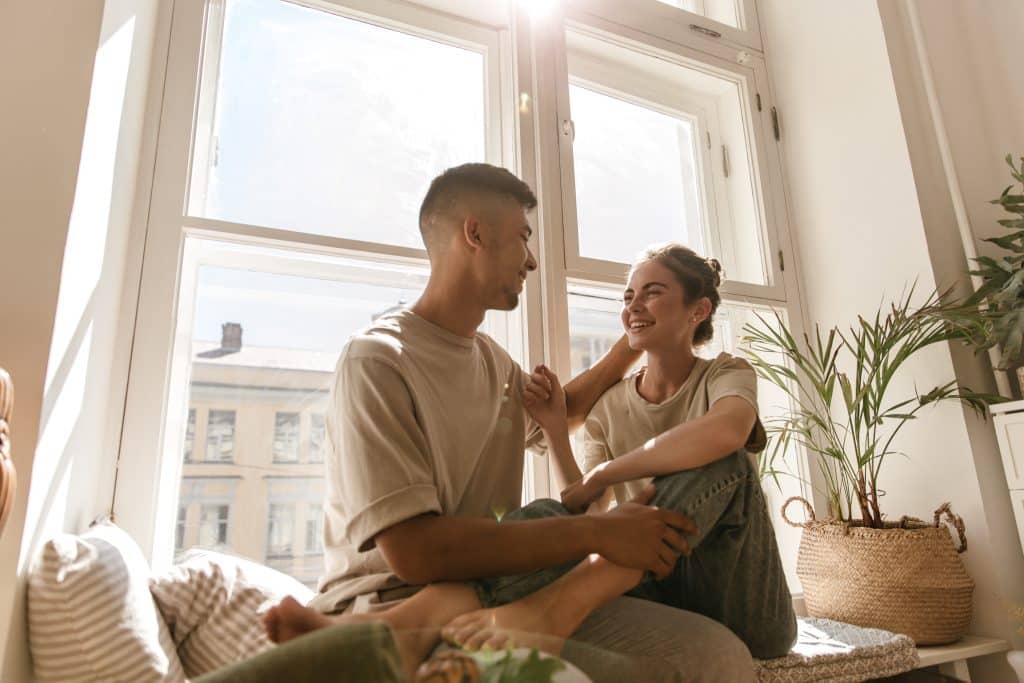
[
  {"x": 212, "y": 604},
  {"x": 91, "y": 616},
  {"x": 833, "y": 651}
]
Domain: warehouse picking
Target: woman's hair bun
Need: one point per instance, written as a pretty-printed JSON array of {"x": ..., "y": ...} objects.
[{"x": 716, "y": 268}]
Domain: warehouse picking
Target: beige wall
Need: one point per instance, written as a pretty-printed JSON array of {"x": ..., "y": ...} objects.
[
  {"x": 75, "y": 78},
  {"x": 854, "y": 195}
]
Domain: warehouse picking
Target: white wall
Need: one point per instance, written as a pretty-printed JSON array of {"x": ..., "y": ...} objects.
[
  {"x": 75, "y": 78},
  {"x": 862, "y": 236}
]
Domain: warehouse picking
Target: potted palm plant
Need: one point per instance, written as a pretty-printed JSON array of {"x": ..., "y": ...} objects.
[
  {"x": 858, "y": 566},
  {"x": 1001, "y": 293}
]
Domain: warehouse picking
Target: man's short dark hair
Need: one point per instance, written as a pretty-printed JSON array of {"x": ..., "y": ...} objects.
[{"x": 448, "y": 187}]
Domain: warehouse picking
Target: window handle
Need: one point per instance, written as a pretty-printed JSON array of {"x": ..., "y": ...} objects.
[{"x": 705, "y": 31}]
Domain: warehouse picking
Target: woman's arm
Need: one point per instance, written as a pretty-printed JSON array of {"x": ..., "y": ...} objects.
[
  {"x": 724, "y": 429},
  {"x": 565, "y": 467},
  {"x": 583, "y": 391}
]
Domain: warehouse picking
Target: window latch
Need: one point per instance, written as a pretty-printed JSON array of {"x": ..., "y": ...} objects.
[
  {"x": 569, "y": 129},
  {"x": 710, "y": 33}
]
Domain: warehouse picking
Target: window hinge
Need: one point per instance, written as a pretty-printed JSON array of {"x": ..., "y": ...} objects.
[
  {"x": 775, "y": 124},
  {"x": 705, "y": 31},
  {"x": 725, "y": 160},
  {"x": 759, "y": 101},
  {"x": 708, "y": 136},
  {"x": 782, "y": 261}
]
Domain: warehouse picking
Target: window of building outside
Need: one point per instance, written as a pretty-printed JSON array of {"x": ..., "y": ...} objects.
[
  {"x": 190, "y": 434},
  {"x": 310, "y": 152},
  {"x": 179, "y": 529},
  {"x": 220, "y": 436},
  {"x": 214, "y": 521},
  {"x": 286, "y": 437},
  {"x": 317, "y": 437},
  {"x": 314, "y": 529},
  {"x": 280, "y": 530}
]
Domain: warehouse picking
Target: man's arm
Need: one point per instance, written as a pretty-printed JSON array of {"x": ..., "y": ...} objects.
[
  {"x": 431, "y": 548},
  {"x": 583, "y": 391}
]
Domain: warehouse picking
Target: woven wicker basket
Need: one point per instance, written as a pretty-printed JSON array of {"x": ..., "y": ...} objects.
[{"x": 906, "y": 578}]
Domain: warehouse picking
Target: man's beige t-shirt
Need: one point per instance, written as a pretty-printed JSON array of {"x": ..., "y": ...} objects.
[
  {"x": 421, "y": 420},
  {"x": 623, "y": 420}
]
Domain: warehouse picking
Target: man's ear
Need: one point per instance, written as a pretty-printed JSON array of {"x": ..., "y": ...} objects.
[{"x": 472, "y": 232}]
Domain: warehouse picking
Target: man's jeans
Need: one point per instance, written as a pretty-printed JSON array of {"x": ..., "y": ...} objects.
[{"x": 734, "y": 574}]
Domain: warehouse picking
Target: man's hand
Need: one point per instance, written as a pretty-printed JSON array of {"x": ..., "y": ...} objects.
[
  {"x": 641, "y": 537},
  {"x": 544, "y": 399}
]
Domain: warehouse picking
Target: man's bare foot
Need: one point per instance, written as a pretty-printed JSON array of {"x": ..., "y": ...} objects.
[
  {"x": 529, "y": 622},
  {"x": 290, "y": 619}
]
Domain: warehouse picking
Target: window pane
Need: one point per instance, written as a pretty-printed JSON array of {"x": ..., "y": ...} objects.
[
  {"x": 728, "y": 12},
  {"x": 280, "y": 528},
  {"x": 190, "y": 434},
  {"x": 317, "y": 437},
  {"x": 661, "y": 154},
  {"x": 333, "y": 126},
  {"x": 314, "y": 529},
  {"x": 220, "y": 436},
  {"x": 286, "y": 437}
]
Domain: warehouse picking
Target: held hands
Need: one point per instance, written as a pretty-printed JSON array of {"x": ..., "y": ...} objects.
[
  {"x": 578, "y": 495},
  {"x": 641, "y": 537},
  {"x": 544, "y": 400}
]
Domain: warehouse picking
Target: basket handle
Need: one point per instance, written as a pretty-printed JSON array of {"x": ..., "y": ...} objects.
[
  {"x": 956, "y": 521},
  {"x": 807, "y": 507}
]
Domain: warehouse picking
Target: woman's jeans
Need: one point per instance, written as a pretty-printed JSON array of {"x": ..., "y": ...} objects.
[{"x": 734, "y": 574}]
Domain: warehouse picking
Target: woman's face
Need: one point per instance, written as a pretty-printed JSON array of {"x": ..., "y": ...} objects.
[{"x": 654, "y": 310}]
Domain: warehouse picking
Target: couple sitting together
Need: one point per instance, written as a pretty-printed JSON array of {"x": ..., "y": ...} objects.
[{"x": 428, "y": 424}]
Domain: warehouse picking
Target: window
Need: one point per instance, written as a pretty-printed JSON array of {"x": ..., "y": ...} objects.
[
  {"x": 214, "y": 523},
  {"x": 318, "y": 122},
  {"x": 286, "y": 437},
  {"x": 190, "y": 434},
  {"x": 294, "y": 146},
  {"x": 179, "y": 529},
  {"x": 317, "y": 437},
  {"x": 280, "y": 529},
  {"x": 314, "y": 529},
  {"x": 220, "y": 436}
]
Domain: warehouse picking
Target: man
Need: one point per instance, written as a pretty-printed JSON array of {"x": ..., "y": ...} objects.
[{"x": 428, "y": 430}]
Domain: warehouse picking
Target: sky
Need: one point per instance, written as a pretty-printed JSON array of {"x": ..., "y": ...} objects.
[{"x": 332, "y": 126}]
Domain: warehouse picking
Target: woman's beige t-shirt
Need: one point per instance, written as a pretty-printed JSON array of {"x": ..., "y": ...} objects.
[{"x": 623, "y": 420}]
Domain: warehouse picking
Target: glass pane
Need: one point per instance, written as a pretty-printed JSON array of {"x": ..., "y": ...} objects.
[
  {"x": 728, "y": 12},
  {"x": 333, "y": 126},
  {"x": 661, "y": 153},
  {"x": 286, "y": 437},
  {"x": 262, "y": 357},
  {"x": 266, "y": 329}
]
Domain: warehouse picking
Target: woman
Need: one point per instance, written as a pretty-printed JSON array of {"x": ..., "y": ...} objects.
[{"x": 682, "y": 423}]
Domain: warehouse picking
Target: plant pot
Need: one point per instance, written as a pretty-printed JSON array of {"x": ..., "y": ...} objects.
[{"x": 905, "y": 578}]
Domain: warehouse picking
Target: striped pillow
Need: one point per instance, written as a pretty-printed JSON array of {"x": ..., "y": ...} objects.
[
  {"x": 91, "y": 616},
  {"x": 212, "y": 604}
]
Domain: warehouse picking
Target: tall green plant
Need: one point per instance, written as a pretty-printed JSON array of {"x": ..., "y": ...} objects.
[
  {"x": 1002, "y": 289},
  {"x": 840, "y": 382}
]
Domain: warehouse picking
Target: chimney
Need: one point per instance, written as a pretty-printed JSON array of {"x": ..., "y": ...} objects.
[{"x": 231, "y": 337}]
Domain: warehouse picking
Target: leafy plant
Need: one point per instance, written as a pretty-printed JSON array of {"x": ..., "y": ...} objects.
[
  {"x": 1002, "y": 289},
  {"x": 840, "y": 382},
  {"x": 514, "y": 669}
]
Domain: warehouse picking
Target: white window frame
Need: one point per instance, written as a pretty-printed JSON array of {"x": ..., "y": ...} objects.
[
  {"x": 526, "y": 110},
  {"x": 152, "y": 428}
]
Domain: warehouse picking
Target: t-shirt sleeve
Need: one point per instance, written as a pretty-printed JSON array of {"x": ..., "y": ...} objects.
[
  {"x": 735, "y": 377},
  {"x": 385, "y": 473},
  {"x": 595, "y": 445}
]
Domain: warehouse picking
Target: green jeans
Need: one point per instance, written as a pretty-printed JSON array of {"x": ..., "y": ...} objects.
[{"x": 734, "y": 574}]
